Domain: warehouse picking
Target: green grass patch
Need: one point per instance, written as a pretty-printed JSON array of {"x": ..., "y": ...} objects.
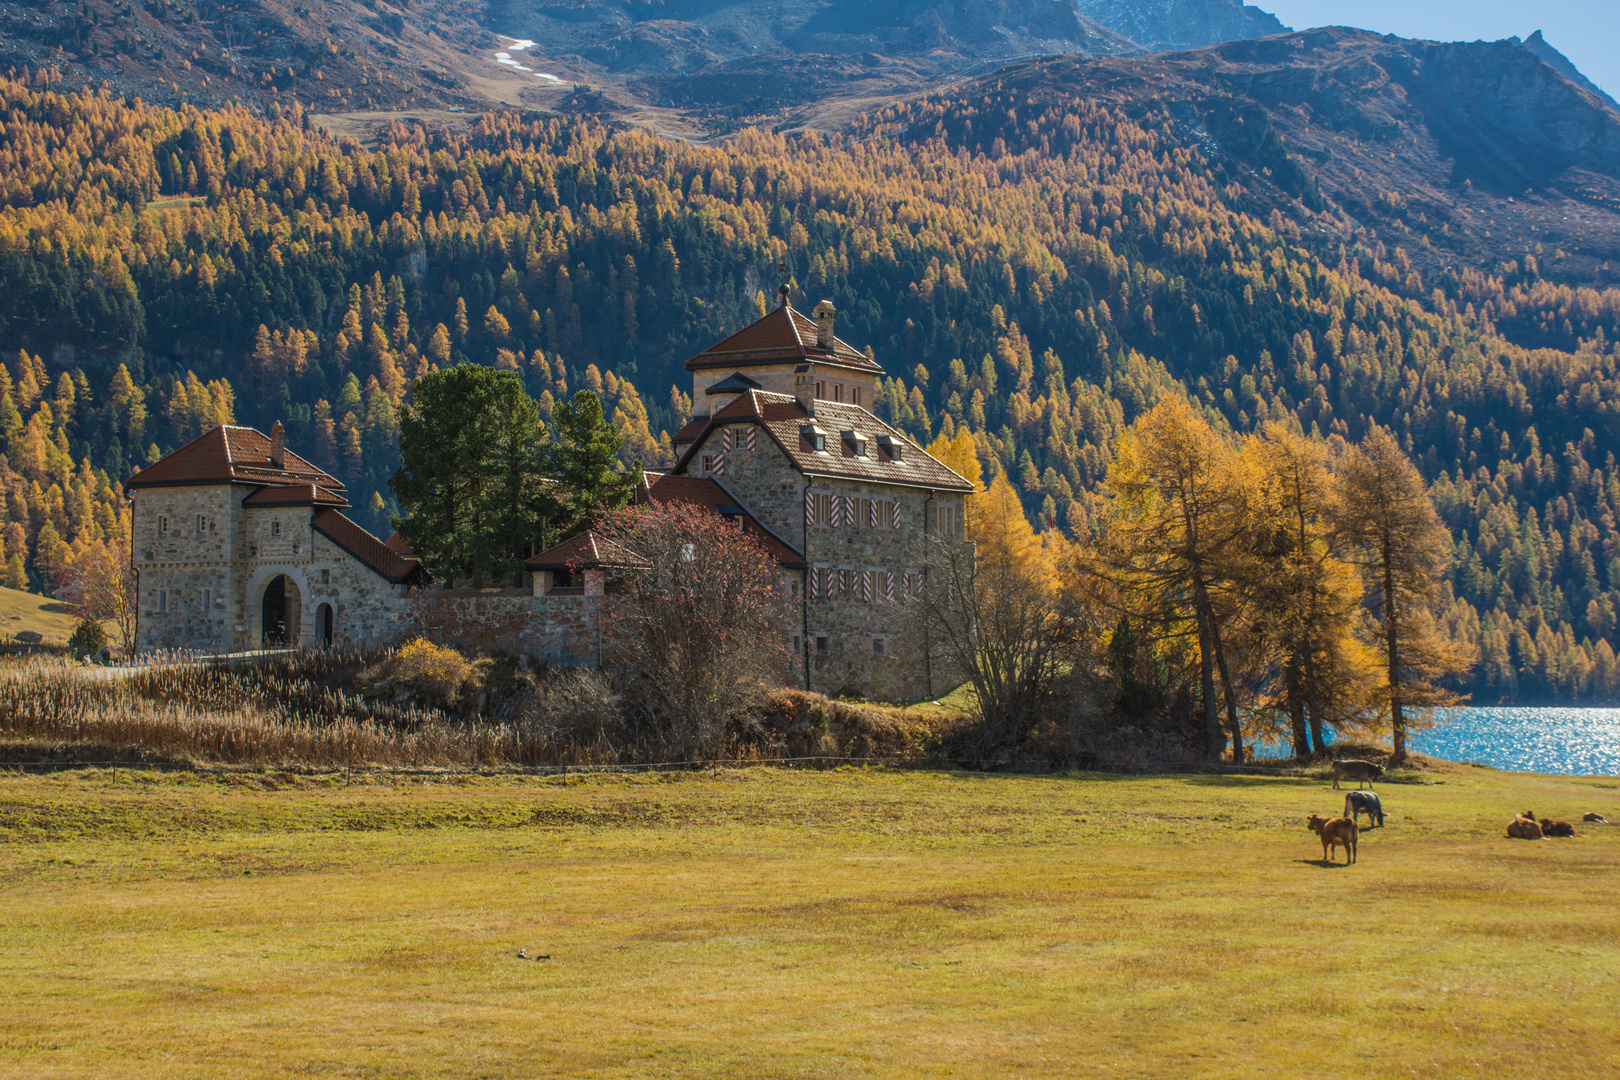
[{"x": 768, "y": 923}]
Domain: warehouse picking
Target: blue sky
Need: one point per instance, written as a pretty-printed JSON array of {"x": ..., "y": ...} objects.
[{"x": 1586, "y": 31}]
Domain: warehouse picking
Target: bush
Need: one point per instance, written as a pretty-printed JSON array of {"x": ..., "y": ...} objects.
[
  {"x": 439, "y": 675},
  {"x": 88, "y": 637},
  {"x": 577, "y": 708}
]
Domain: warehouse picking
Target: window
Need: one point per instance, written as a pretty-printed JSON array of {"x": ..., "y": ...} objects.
[
  {"x": 202, "y": 524},
  {"x": 838, "y": 391},
  {"x": 326, "y": 577},
  {"x": 708, "y": 463},
  {"x": 854, "y": 395},
  {"x": 163, "y": 599},
  {"x": 821, "y": 390},
  {"x": 817, "y": 508},
  {"x": 163, "y": 525},
  {"x": 945, "y": 520},
  {"x": 208, "y": 600},
  {"x": 795, "y": 588},
  {"x": 275, "y": 527},
  {"x": 821, "y": 645},
  {"x": 877, "y": 646},
  {"x": 795, "y": 644}
]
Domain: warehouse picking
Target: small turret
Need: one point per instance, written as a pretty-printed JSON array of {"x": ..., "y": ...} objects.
[{"x": 825, "y": 314}]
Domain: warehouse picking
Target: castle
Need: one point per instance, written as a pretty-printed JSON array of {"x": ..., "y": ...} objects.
[{"x": 241, "y": 544}]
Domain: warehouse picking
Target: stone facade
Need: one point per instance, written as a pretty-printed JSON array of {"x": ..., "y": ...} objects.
[{"x": 205, "y": 591}]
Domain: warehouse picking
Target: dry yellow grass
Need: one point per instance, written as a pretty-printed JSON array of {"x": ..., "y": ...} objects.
[
  {"x": 27, "y": 611},
  {"x": 761, "y": 923}
]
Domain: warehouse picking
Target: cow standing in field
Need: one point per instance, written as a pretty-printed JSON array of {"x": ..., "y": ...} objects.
[
  {"x": 1357, "y": 803},
  {"x": 1359, "y": 771},
  {"x": 1335, "y": 833}
]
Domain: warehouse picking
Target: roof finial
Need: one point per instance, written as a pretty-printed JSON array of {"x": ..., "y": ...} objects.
[{"x": 782, "y": 296}]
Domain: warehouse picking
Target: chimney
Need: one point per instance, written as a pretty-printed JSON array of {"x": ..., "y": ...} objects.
[
  {"x": 824, "y": 324},
  {"x": 804, "y": 388},
  {"x": 278, "y": 445},
  {"x": 781, "y": 297}
]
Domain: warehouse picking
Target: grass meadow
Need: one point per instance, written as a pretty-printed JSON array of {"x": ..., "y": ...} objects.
[{"x": 771, "y": 923}]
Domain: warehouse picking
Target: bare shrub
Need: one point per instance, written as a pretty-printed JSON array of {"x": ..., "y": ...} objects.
[
  {"x": 694, "y": 634},
  {"x": 576, "y": 708}
]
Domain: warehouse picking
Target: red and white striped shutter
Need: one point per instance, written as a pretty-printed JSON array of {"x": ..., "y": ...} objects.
[
  {"x": 719, "y": 468},
  {"x": 815, "y": 583},
  {"x": 843, "y": 582},
  {"x": 888, "y": 585},
  {"x": 872, "y": 511},
  {"x": 849, "y": 509},
  {"x": 866, "y": 584},
  {"x": 894, "y": 515},
  {"x": 725, "y": 441},
  {"x": 752, "y": 435},
  {"x": 809, "y": 509}
]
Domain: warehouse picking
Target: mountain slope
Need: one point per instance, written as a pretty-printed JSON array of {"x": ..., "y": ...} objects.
[
  {"x": 1160, "y": 25},
  {"x": 1467, "y": 154}
]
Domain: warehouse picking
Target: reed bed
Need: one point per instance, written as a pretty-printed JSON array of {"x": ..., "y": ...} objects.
[{"x": 288, "y": 711}]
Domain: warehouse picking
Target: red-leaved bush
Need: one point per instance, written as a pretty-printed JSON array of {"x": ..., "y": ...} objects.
[{"x": 697, "y": 632}]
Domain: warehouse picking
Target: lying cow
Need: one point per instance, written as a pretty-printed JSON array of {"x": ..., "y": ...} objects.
[
  {"x": 1596, "y": 818},
  {"x": 1524, "y": 828},
  {"x": 1357, "y": 803},
  {"x": 1549, "y": 827},
  {"x": 1335, "y": 833},
  {"x": 1359, "y": 771}
]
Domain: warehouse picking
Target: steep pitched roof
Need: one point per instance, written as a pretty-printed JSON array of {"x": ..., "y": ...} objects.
[
  {"x": 369, "y": 550},
  {"x": 587, "y": 551},
  {"x": 231, "y": 455},
  {"x": 783, "y": 418},
  {"x": 294, "y": 495},
  {"x": 782, "y": 336},
  {"x": 705, "y": 491}
]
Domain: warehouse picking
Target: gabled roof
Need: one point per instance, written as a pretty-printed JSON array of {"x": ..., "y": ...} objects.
[
  {"x": 231, "y": 455},
  {"x": 587, "y": 551},
  {"x": 294, "y": 495},
  {"x": 705, "y": 491},
  {"x": 782, "y": 336},
  {"x": 369, "y": 550},
  {"x": 783, "y": 417}
]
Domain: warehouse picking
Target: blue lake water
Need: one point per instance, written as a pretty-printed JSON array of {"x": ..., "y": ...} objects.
[{"x": 1581, "y": 742}]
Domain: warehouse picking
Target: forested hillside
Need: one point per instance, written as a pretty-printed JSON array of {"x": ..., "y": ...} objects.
[{"x": 1039, "y": 274}]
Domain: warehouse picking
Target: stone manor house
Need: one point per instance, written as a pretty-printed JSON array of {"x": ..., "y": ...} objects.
[{"x": 241, "y": 544}]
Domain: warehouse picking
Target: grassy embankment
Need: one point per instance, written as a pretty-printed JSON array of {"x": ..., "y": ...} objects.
[
  {"x": 763, "y": 923},
  {"x": 21, "y": 611}
]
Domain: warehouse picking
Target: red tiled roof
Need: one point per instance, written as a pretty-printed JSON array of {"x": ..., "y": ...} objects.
[
  {"x": 294, "y": 495},
  {"x": 399, "y": 545},
  {"x": 689, "y": 430},
  {"x": 229, "y": 454},
  {"x": 583, "y": 552},
  {"x": 705, "y": 491},
  {"x": 368, "y": 549},
  {"x": 782, "y": 417},
  {"x": 782, "y": 336}
]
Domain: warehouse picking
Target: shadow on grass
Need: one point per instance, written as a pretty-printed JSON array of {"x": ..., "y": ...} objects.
[{"x": 1323, "y": 864}]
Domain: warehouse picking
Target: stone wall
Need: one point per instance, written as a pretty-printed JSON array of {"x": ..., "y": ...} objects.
[
  {"x": 854, "y": 628},
  {"x": 188, "y": 594}
]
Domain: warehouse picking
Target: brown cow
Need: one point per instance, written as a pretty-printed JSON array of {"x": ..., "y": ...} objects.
[
  {"x": 1524, "y": 828},
  {"x": 1549, "y": 827},
  {"x": 1597, "y": 818},
  {"x": 1335, "y": 833}
]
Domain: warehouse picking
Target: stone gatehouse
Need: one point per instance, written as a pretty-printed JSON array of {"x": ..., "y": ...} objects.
[{"x": 241, "y": 544}]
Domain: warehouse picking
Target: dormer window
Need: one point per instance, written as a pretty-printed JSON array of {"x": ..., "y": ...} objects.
[
  {"x": 202, "y": 524},
  {"x": 275, "y": 528},
  {"x": 857, "y": 442},
  {"x": 895, "y": 448},
  {"x": 817, "y": 437}
]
